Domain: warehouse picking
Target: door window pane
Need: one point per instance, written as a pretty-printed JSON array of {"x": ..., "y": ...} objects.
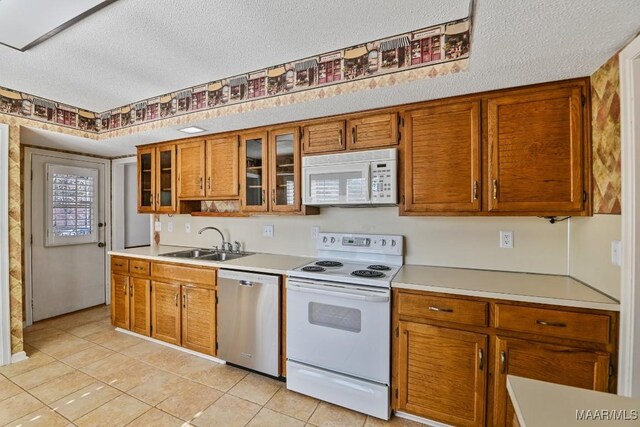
[{"x": 336, "y": 317}]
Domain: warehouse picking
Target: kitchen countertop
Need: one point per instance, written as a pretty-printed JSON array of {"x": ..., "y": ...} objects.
[
  {"x": 538, "y": 403},
  {"x": 259, "y": 262},
  {"x": 524, "y": 287}
]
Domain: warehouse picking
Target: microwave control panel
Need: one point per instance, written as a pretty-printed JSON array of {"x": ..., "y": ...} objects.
[{"x": 383, "y": 183}]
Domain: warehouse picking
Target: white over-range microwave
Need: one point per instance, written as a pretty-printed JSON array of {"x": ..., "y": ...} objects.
[{"x": 357, "y": 178}]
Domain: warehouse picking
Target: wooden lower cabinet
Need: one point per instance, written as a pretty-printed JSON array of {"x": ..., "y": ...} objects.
[
  {"x": 120, "y": 300},
  {"x": 140, "y": 305},
  {"x": 545, "y": 362},
  {"x": 442, "y": 373},
  {"x": 199, "y": 319},
  {"x": 165, "y": 312}
]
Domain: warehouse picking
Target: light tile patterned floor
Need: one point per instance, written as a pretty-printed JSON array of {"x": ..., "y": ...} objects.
[{"x": 82, "y": 372}]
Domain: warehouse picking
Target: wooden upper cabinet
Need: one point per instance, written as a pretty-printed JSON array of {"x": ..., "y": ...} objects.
[
  {"x": 146, "y": 179},
  {"x": 536, "y": 151},
  {"x": 442, "y": 374},
  {"x": 165, "y": 312},
  {"x": 165, "y": 178},
  {"x": 253, "y": 172},
  {"x": 120, "y": 301},
  {"x": 285, "y": 170},
  {"x": 442, "y": 159},
  {"x": 222, "y": 167},
  {"x": 545, "y": 362},
  {"x": 140, "y": 305},
  {"x": 373, "y": 131},
  {"x": 323, "y": 137},
  {"x": 199, "y": 319},
  {"x": 191, "y": 161}
]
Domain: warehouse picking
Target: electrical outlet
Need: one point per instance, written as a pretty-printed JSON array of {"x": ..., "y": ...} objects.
[
  {"x": 187, "y": 227},
  {"x": 616, "y": 252},
  {"x": 506, "y": 239},
  {"x": 157, "y": 226},
  {"x": 267, "y": 230},
  {"x": 315, "y": 230},
  {"x": 170, "y": 227}
]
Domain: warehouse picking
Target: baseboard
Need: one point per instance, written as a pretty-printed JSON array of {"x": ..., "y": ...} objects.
[
  {"x": 175, "y": 347},
  {"x": 19, "y": 357},
  {"x": 421, "y": 420}
]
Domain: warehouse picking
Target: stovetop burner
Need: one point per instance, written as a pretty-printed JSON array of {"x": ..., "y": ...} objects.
[
  {"x": 329, "y": 264},
  {"x": 379, "y": 267},
  {"x": 367, "y": 273},
  {"x": 313, "y": 268}
]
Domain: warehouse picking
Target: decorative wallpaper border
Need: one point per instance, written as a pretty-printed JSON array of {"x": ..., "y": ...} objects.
[{"x": 447, "y": 43}]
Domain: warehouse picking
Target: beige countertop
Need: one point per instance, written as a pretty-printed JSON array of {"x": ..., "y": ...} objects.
[
  {"x": 525, "y": 287},
  {"x": 261, "y": 263},
  {"x": 538, "y": 403}
]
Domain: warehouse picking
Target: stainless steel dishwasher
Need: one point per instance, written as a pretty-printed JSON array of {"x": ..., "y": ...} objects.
[{"x": 248, "y": 320}]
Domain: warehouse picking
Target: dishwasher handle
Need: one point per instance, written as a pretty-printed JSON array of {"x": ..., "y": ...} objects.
[
  {"x": 246, "y": 283},
  {"x": 340, "y": 294}
]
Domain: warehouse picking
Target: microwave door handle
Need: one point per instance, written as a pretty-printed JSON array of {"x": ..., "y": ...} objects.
[
  {"x": 367, "y": 173},
  {"x": 346, "y": 295}
]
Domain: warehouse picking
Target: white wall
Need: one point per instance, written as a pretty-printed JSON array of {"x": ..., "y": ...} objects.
[
  {"x": 136, "y": 226},
  {"x": 590, "y": 255},
  {"x": 459, "y": 242}
]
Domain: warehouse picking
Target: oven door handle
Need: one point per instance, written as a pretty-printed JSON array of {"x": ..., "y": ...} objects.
[{"x": 338, "y": 294}]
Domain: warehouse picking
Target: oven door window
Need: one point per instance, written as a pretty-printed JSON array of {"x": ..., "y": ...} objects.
[{"x": 336, "y": 317}]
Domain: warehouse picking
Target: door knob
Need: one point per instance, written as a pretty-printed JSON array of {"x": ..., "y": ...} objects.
[{"x": 101, "y": 244}]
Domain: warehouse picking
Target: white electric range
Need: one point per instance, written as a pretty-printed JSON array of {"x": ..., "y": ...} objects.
[{"x": 338, "y": 321}]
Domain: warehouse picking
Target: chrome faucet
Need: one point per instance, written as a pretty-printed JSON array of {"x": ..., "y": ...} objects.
[{"x": 224, "y": 242}]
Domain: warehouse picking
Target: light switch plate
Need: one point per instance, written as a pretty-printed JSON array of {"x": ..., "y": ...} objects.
[
  {"x": 187, "y": 227},
  {"x": 157, "y": 226},
  {"x": 170, "y": 227},
  {"x": 616, "y": 252},
  {"x": 267, "y": 231},
  {"x": 315, "y": 230}
]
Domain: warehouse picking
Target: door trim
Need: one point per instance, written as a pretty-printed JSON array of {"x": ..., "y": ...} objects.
[
  {"x": 29, "y": 152},
  {"x": 5, "y": 308},
  {"x": 628, "y": 368}
]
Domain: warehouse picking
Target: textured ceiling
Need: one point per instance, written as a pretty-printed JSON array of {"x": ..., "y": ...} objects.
[{"x": 125, "y": 54}]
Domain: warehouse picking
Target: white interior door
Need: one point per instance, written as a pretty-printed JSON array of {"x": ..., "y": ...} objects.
[{"x": 68, "y": 235}]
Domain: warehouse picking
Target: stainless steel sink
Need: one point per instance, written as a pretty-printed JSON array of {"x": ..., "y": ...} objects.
[
  {"x": 191, "y": 253},
  {"x": 206, "y": 255},
  {"x": 223, "y": 256}
]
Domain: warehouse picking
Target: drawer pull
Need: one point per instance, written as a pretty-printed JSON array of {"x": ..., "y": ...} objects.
[
  {"x": 444, "y": 310},
  {"x": 554, "y": 324},
  {"x": 480, "y": 359},
  {"x": 503, "y": 362}
]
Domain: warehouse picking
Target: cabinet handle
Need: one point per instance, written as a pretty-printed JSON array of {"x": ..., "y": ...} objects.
[
  {"x": 175, "y": 300},
  {"x": 209, "y": 183},
  {"x": 151, "y": 199},
  {"x": 480, "y": 359},
  {"x": 130, "y": 291},
  {"x": 475, "y": 190},
  {"x": 444, "y": 310},
  {"x": 340, "y": 137},
  {"x": 184, "y": 301},
  {"x": 495, "y": 189},
  {"x": 353, "y": 135},
  {"x": 273, "y": 196},
  {"x": 124, "y": 288},
  {"x": 264, "y": 197},
  {"x": 201, "y": 183},
  {"x": 554, "y": 324},
  {"x": 503, "y": 362},
  {"x": 157, "y": 197}
]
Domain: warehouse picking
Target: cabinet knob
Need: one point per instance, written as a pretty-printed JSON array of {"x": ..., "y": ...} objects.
[
  {"x": 503, "y": 362},
  {"x": 353, "y": 135},
  {"x": 495, "y": 189},
  {"x": 340, "y": 137},
  {"x": 480, "y": 359}
]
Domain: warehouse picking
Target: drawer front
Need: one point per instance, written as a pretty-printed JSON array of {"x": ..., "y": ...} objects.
[
  {"x": 184, "y": 274},
  {"x": 119, "y": 264},
  {"x": 556, "y": 323},
  {"x": 441, "y": 308},
  {"x": 139, "y": 267}
]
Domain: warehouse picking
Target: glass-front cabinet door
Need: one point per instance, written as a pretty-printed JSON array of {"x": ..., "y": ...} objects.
[
  {"x": 284, "y": 155},
  {"x": 253, "y": 172},
  {"x": 146, "y": 182},
  {"x": 165, "y": 178}
]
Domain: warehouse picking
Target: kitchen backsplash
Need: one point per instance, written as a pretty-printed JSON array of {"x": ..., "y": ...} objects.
[{"x": 539, "y": 247}]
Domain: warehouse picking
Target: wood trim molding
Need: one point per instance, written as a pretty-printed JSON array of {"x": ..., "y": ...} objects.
[{"x": 5, "y": 308}]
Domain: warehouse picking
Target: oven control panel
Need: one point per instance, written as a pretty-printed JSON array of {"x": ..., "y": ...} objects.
[{"x": 386, "y": 244}]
